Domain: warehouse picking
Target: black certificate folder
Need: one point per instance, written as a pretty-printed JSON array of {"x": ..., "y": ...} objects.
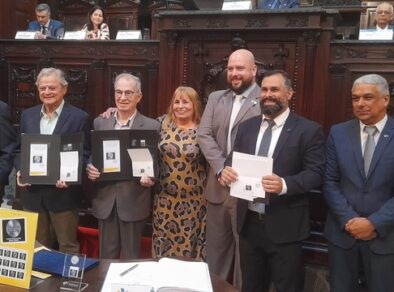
[
  {"x": 103, "y": 141},
  {"x": 41, "y": 158}
]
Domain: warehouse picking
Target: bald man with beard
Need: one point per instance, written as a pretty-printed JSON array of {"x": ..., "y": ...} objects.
[{"x": 225, "y": 110}]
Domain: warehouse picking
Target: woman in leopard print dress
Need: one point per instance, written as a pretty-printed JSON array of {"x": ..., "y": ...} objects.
[{"x": 179, "y": 210}]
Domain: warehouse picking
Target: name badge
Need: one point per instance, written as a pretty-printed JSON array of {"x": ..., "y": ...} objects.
[
  {"x": 75, "y": 35},
  {"x": 128, "y": 35},
  {"x": 25, "y": 35},
  {"x": 237, "y": 5},
  {"x": 373, "y": 34}
]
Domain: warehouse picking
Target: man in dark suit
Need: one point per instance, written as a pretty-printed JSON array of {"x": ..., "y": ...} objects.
[
  {"x": 122, "y": 207},
  {"x": 46, "y": 27},
  {"x": 359, "y": 191},
  {"x": 58, "y": 204},
  {"x": 225, "y": 110},
  {"x": 270, "y": 234},
  {"x": 7, "y": 145}
]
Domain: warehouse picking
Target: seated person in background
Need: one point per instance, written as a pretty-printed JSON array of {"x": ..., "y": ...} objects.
[
  {"x": 96, "y": 29},
  {"x": 277, "y": 4},
  {"x": 46, "y": 27},
  {"x": 383, "y": 16}
]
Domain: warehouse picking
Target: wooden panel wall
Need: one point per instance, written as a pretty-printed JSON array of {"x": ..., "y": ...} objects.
[
  {"x": 14, "y": 16},
  {"x": 90, "y": 68},
  {"x": 192, "y": 44},
  {"x": 348, "y": 61}
]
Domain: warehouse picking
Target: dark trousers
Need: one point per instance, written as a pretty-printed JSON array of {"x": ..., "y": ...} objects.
[
  {"x": 120, "y": 238},
  {"x": 60, "y": 227},
  {"x": 345, "y": 266},
  {"x": 263, "y": 261}
]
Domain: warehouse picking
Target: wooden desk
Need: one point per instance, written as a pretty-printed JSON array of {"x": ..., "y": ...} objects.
[{"x": 96, "y": 276}]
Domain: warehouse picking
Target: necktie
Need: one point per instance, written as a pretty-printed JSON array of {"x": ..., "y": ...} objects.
[
  {"x": 43, "y": 29},
  {"x": 236, "y": 107},
  {"x": 369, "y": 147},
  {"x": 257, "y": 205},
  {"x": 266, "y": 140}
]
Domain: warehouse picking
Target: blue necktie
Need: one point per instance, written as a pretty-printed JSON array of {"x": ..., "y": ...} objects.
[{"x": 257, "y": 205}]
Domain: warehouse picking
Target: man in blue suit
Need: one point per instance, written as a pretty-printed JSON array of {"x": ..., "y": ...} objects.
[
  {"x": 46, "y": 27},
  {"x": 58, "y": 204},
  {"x": 359, "y": 190},
  {"x": 7, "y": 144},
  {"x": 270, "y": 234}
]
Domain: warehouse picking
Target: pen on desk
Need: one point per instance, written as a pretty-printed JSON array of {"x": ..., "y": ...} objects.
[{"x": 128, "y": 270}]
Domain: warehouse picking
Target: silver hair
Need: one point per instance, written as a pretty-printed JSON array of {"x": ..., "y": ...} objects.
[
  {"x": 129, "y": 77},
  {"x": 374, "y": 79},
  {"x": 43, "y": 7},
  {"x": 388, "y": 4},
  {"x": 52, "y": 71}
]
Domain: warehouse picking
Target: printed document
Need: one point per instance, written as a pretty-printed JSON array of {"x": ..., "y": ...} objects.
[
  {"x": 250, "y": 169},
  {"x": 170, "y": 274}
]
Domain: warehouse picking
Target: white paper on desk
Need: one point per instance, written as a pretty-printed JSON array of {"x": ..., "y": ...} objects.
[
  {"x": 111, "y": 156},
  {"x": 189, "y": 275},
  {"x": 140, "y": 276},
  {"x": 251, "y": 169},
  {"x": 38, "y": 160},
  {"x": 69, "y": 161},
  {"x": 374, "y": 34},
  {"x": 142, "y": 162}
]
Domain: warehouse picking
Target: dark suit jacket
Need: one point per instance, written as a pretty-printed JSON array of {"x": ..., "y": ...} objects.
[
  {"x": 71, "y": 120},
  {"x": 55, "y": 28},
  {"x": 133, "y": 201},
  {"x": 350, "y": 194},
  {"x": 7, "y": 143},
  {"x": 299, "y": 160}
]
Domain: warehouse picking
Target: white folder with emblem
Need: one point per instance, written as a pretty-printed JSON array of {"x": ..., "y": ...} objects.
[{"x": 250, "y": 169}]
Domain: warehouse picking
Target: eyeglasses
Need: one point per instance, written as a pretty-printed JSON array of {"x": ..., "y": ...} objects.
[
  {"x": 127, "y": 93},
  {"x": 383, "y": 12}
]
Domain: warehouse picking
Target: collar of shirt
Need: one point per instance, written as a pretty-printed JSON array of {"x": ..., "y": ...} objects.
[
  {"x": 47, "y": 24},
  {"x": 379, "y": 125},
  {"x": 48, "y": 124},
  {"x": 276, "y": 130},
  {"x": 279, "y": 120},
  {"x": 381, "y": 29},
  {"x": 247, "y": 91},
  {"x": 57, "y": 111},
  {"x": 127, "y": 125}
]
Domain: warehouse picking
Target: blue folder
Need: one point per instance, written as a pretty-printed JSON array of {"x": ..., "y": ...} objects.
[{"x": 52, "y": 262}]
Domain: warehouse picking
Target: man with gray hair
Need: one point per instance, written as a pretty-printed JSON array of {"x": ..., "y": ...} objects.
[
  {"x": 57, "y": 205},
  {"x": 46, "y": 27},
  {"x": 383, "y": 16},
  {"x": 122, "y": 207},
  {"x": 359, "y": 191}
]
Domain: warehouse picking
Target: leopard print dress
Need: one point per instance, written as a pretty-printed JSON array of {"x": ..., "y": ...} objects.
[{"x": 179, "y": 210}]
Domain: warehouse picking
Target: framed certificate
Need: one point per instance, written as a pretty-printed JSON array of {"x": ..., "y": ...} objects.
[
  {"x": 45, "y": 159},
  {"x": 111, "y": 157}
]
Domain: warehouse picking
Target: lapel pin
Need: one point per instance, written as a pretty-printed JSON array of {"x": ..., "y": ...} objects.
[{"x": 385, "y": 136}]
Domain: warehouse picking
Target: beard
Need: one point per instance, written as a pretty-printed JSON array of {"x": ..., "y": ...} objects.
[
  {"x": 271, "y": 110},
  {"x": 245, "y": 84}
]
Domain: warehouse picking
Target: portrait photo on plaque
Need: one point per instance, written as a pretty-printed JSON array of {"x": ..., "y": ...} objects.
[{"x": 14, "y": 230}]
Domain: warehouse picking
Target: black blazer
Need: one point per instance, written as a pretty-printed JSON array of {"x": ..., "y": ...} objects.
[
  {"x": 7, "y": 143},
  {"x": 71, "y": 120},
  {"x": 299, "y": 160}
]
